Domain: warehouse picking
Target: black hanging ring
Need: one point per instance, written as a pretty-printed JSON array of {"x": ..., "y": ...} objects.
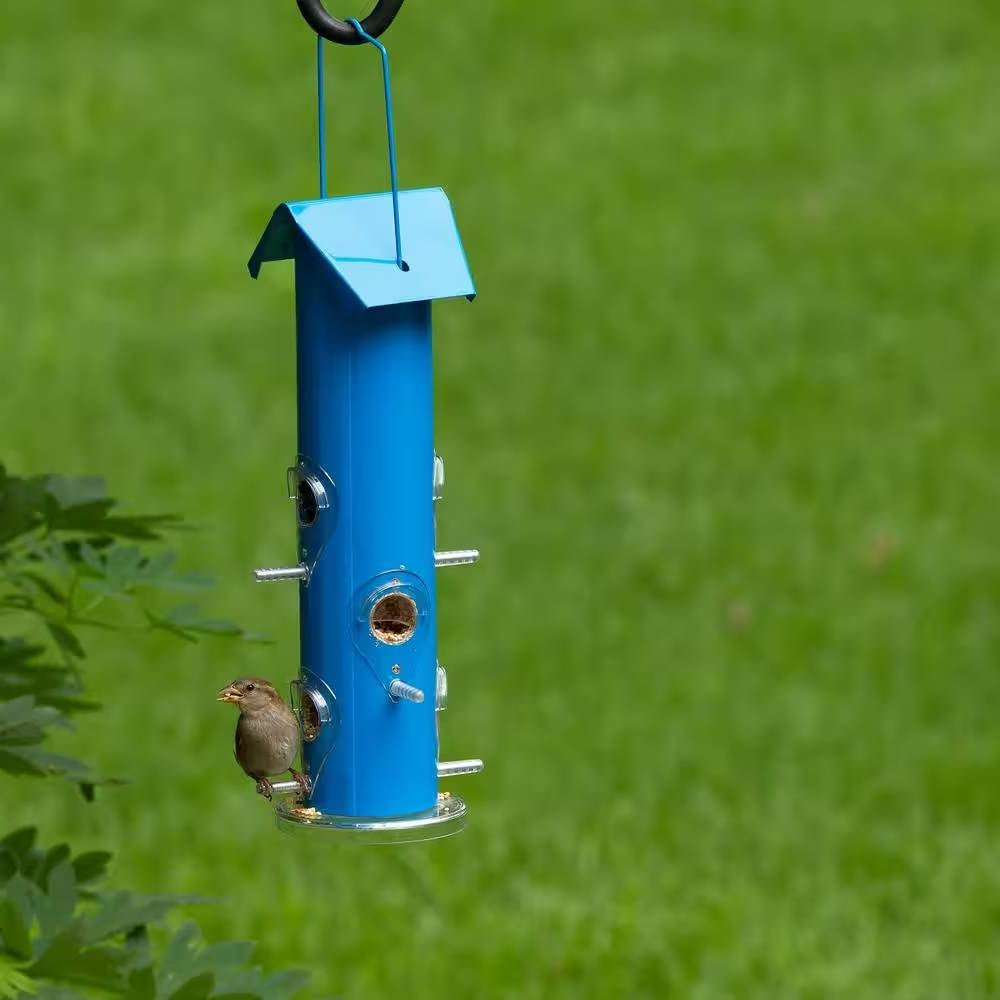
[{"x": 335, "y": 30}]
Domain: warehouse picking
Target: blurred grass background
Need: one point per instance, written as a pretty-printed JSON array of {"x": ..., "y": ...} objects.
[{"x": 724, "y": 421}]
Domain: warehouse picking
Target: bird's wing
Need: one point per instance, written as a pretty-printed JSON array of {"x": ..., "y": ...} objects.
[{"x": 239, "y": 747}]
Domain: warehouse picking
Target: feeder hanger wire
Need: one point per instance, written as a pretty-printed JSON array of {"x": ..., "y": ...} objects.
[
  {"x": 344, "y": 33},
  {"x": 361, "y": 35},
  {"x": 349, "y": 32},
  {"x": 390, "y": 133},
  {"x": 321, "y": 116}
]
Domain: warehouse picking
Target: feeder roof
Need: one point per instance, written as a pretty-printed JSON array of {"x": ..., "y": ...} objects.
[{"x": 356, "y": 237}]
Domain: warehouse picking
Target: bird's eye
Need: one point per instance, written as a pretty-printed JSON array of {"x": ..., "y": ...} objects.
[{"x": 249, "y": 687}]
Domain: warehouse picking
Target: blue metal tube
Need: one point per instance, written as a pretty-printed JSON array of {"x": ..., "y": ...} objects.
[{"x": 365, "y": 428}]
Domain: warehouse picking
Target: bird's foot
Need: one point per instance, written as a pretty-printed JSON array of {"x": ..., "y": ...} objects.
[
  {"x": 264, "y": 788},
  {"x": 304, "y": 783}
]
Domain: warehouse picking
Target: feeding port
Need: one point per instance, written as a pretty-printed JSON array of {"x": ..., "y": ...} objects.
[
  {"x": 393, "y": 618},
  {"x": 311, "y": 708}
]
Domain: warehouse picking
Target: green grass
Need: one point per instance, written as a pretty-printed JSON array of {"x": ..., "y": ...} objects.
[{"x": 724, "y": 421}]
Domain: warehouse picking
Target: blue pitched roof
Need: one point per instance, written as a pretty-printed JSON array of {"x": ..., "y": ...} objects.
[{"x": 356, "y": 237}]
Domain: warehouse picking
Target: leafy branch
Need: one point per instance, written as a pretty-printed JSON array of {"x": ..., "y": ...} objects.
[
  {"x": 68, "y": 562},
  {"x": 58, "y": 934},
  {"x": 67, "y": 559}
]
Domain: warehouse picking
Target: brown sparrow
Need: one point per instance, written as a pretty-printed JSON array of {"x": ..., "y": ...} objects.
[{"x": 267, "y": 733}]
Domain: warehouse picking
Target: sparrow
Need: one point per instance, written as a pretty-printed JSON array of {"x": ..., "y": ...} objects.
[{"x": 267, "y": 733}]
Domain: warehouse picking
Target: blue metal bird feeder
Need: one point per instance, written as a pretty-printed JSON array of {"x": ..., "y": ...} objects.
[{"x": 365, "y": 484}]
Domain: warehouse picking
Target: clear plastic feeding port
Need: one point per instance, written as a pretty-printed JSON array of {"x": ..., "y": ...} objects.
[
  {"x": 306, "y": 504},
  {"x": 393, "y": 618},
  {"x": 310, "y": 708},
  {"x": 306, "y": 488}
]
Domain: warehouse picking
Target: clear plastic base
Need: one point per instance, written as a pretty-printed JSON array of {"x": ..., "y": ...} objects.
[{"x": 445, "y": 819}]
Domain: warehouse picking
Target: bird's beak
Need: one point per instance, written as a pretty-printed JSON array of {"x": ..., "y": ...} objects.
[{"x": 228, "y": 693}]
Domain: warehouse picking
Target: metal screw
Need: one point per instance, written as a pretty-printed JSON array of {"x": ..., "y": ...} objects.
[
  {"x": 407, "y": 692},
  {"x": 456, "y": 557},
  {"x": 451, "y": 768},
  {"x": 395, "y": 668},
  {"x": 274, "y": 574}
]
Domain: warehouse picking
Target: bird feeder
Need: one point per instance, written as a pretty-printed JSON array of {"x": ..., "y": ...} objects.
[{"x": 365, "y": 483}]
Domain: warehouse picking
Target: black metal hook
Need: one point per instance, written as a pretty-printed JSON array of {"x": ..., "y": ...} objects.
[{"x": 335, "y": 30}]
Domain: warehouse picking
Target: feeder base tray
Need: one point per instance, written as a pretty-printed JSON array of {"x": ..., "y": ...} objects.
[{"x": 445, "y": 819}]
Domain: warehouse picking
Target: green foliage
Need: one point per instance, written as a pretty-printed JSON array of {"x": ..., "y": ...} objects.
[
  {"x": 23, "y": 726},
  {"x": 67, "y": 561}
]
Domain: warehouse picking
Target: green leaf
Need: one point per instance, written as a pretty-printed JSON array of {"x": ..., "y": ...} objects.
[
  {"x": 141, "y": 984},
  {"x": 22, "y": 721},
  {"x": 90, "y": 557},
  {"x": 15, "y": 926},
  {"x": 54, "y": 857},
  {"x": 54, "y": 907},
  {"x": 21, "y": 841},
  {"x": 22, "y": 895},
  {"x": 17, "y": 602},
  {"x": 49, "y": 552},
  {"x": 140, "y": 529},
  {"x": 120, "y": 569},
  {"x": 123, "y": 561},
  {"x": 24, "y": 672},
  {"x": 227, "y": 962},
  {"x": 66, "y": 959},
  {"x": 17, "y": 653},
  {"x": 56, "y": 993},
  {"x": 63, "y": 503},
  {"x": 88, "y": 517},
  {"x": 198, "y": 988},
  {"x": 13, "y": 982},
  {"x": 23, "y": 725},
  {"x": 90, "y": 866},
  {"x": 96, "y": 520},
  {"x": 215, "y": 956},
  {"x": 185, "y": 620},
  {"x": 66, "y": 640},
  {"x": 8, "y": 864},
  {"x": 74, "y": 491},
  {"x": 56, "y": 692},
  {"x": 249, "y": 983},
  {"x": 21, "y": 504},
  {"x": 29, "y": 761},
  {"x": 163, "y": 624},
  {"x": 286, "y": 983},
  {"x": 17, "y": 763},
  {"x": 177, "y": 959},
  {"x": 81, "y": 504},
  {"x": 119, "y": 912},
  {"x": 137, "y": 945},
  {"x": 49, "y": 589}
]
